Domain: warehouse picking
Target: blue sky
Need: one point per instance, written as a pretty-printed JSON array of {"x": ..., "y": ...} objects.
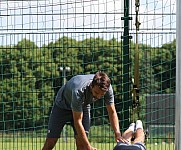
[{"x": 41, "y": 22}]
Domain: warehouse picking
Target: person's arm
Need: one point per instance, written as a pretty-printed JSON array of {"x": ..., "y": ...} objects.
[
  {"x": 80, "y": 131},
  {"x": 115, "y": 123}
]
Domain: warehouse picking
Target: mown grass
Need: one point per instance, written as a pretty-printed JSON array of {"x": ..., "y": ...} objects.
[
  {"x": 37, "y": 143},
  {"x": 100, "y": 137}
]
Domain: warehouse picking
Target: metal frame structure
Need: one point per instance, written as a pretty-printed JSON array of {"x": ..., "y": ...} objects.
[{"x": 178, "y": 79}]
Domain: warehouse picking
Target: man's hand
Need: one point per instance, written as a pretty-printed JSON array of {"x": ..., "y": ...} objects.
[
  {"x": 93, "y": 148},
  {"x": 119, "y": 138}
]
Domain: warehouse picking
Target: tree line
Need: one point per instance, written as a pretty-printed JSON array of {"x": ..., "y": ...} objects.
[{"x": 30, "y": 75}]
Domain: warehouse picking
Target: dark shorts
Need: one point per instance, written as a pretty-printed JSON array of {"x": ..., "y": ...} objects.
[
  {"x": 59, "y": 117},
  {"x": 135, "y": 146}
]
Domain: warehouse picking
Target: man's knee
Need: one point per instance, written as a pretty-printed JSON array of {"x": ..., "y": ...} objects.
[{"x": 50, "y": 143}]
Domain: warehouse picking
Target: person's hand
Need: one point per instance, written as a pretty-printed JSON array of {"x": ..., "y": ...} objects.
[
  {"x": 119, "y": 138},
  {"x": 123, "y": 140},
  {"x": 92, "y": 148}
]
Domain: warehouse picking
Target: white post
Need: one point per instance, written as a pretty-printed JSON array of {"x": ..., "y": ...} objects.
[
  {"x": 64, "y": 70},
  {"x": 178, "y": 79}
]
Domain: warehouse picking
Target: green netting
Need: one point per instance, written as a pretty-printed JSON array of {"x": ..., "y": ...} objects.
[{"x": 40, "y": 39}]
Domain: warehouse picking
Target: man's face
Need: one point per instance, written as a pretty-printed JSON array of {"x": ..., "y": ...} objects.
[{"x": 97, "y": 92}]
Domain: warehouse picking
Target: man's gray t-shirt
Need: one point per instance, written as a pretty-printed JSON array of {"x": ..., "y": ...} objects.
[{"x": 76, "y": 93}]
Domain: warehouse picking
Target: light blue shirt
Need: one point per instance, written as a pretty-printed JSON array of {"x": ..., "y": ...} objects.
[{"x": 76, "y": 93}]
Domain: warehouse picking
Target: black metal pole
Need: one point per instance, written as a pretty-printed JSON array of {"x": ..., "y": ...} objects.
[{"x": 126, "y": 68}]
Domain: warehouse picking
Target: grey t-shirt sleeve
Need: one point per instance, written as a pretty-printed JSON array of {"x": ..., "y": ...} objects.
[
  {"x": 76, "y": 103},
  {"x": 109, "y": 96}
]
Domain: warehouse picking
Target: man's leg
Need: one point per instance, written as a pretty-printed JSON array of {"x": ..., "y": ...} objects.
[
  {"x": 129, "y": 132},
  {"x": 139, "y": 135},
  {"x": 49, "y": 143},
  {"x": 126, "y": 135},
  {"x": 57, "y": 120}
]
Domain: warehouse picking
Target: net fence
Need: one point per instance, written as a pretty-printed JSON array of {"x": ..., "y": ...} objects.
[{"x": 39, "y": 40}]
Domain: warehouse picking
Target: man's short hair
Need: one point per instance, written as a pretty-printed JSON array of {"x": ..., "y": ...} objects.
[{"x": 102, "y": 80}]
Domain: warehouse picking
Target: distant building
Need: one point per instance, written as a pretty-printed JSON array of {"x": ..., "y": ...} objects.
[{"x": 160, "y": 114}]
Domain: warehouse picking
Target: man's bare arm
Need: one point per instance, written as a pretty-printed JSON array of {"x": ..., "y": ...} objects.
[
  {"x": 113, "y": 119},
  {"x": 81, "y": 132},
  {"x": 115, "y": 123}
]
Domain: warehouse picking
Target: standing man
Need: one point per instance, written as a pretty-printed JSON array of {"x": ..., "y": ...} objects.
[{"x": 72, "y": 104}]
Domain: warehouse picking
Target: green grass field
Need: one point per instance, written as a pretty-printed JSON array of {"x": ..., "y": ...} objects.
[
  {"x": 37, "y": 143},
  {"x": 100, "y": 137}
]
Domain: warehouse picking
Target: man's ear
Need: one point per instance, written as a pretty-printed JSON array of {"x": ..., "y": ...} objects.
[{"x": 91, "y": 85}]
